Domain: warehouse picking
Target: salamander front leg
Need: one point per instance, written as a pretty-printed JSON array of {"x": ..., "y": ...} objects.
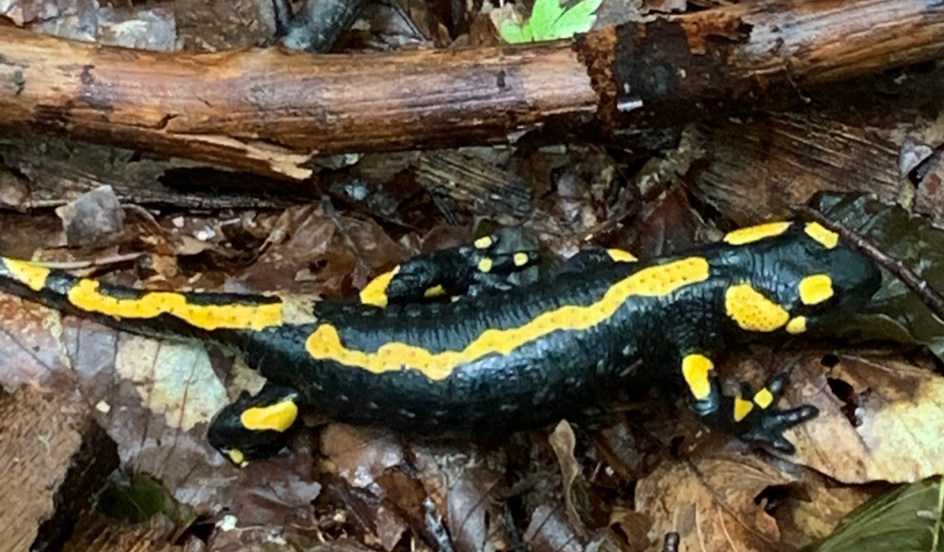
[
  {"x": 447, "y": 273},
  {"x": 756, "y": 419},
  {"x": 255, "y": 426}
]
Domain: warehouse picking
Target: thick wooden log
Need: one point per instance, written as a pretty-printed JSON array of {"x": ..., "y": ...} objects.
[{"x": 268, "y": 110}]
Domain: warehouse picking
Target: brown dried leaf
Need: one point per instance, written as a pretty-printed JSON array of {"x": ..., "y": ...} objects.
[
  {"x": 563, "y": 441},
  {"x": 710, "y": 503},
  {"x": 886, "y": 426},
  {"x": 32, "y": 343}
]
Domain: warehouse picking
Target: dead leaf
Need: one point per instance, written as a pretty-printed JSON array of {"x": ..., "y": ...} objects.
[
  {"x": 887, "y": 426},
  {"x": 710, "y": 503},
  {"x": 562, "y": 442}
]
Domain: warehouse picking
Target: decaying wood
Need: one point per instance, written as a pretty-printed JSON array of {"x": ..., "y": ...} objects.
[
  {"x": 52, "y": 170},
  {"x": 765, "y": 167},
  {"x": 865, "y": 136},
  {"x": 269, "y": 111},
  {"x": 469, "y": 180},
  {"x": 53, "y": 456},
  {"x": 95, "y": 533}
]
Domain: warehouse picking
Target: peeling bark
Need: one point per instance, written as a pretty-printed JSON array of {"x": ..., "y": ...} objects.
[{"x": 268, "y": 111}]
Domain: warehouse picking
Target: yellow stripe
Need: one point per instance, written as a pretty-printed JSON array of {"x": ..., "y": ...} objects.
[
  {"x": 325, "y": 343},
  {"x": 827, "y": 238},
  {"x": 742, "y": 408},
  {"x": 85, "y": 295},
  {"x": 815, "y": 289},
  {"x": 435, "y": 291},
  {"x": 28, "y": 274},
  {"x": 483, "y": 243},
  {"x": 752, "y": 311},
  {"x": 621, "y": 256},
  {"x": 695, "y": 370},
  {"x": 375, "y": 292},
  {"x": 796, "y": 325},
  {"x": 756, "y": 233},
  {"x": 277, "y": 417},
  {"x": 764, "y": 398}
]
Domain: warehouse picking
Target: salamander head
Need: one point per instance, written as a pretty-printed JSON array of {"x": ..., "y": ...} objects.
[{"x": 799, "y": 280}]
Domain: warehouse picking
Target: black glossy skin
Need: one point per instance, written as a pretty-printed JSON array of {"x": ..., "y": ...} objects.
[
  {"x": 558, "y": 375},
  {"x": 564, "y": 372}
]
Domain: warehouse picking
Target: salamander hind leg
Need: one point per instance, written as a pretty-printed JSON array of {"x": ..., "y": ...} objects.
[
  {"x": 255, "y": 426},
  {"x": 447, "y": 273}
]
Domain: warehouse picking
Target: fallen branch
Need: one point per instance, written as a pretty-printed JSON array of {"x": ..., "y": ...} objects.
[{"x": 269, "y": 111}]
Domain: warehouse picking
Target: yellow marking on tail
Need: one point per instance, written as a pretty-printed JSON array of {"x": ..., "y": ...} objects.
[
  {"x": 28, "y": 274},
  {"x": 86, "y": 296}
]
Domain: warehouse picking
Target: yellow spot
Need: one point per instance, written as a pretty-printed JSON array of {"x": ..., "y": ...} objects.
[
  {"x": 756, "y": 233},
  {"x": 815, "y": 289},
  {"x": 435, "y": 291},
  {"x": 521, "y": 259},
  {"x": 797, "y": 325},
  {"x": 483, "y": 243},
  {"x": 277, "y": 417},
  {"x": 375, "y": 292},
  {"x": 764, "y": 398},
  {"x": 655, "y": 281},
  {"x": 85, "y": 295},
  {"x": 237, "y": 457},
  {"x": 752, "y": 311},
  {"x": 621, "y": 256},
  {"x": 827, "y": 238},
  {"x": 742, "y": 408},
  {"x": 695, "y": 370},
  {"x": 28, "y": 274},
  {"x": 485, "y": 265}
]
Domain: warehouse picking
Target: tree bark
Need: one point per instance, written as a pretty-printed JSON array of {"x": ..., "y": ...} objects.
[{"x": 269, "y": 111}]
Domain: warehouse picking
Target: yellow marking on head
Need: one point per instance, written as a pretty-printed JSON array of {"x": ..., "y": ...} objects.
[
  {"x": 695, "y": 370},
  {"x": 742, "y": 408},
  {"x": 655, "y": 281},
  {"x": 797, "y": 325},
  {"x": 826, "y": 237},
  {"x": 237, "y": 457},
  {"x": 521, "y": 259},
  {"x": 483, "y": 243},
  {"x": 435, "y": 291},
  {"x": 764, "y": 398},
  {"x": 756, "y": 233},
  {"x": 276, "y": 417},
  {"x": 485, "y": 265},
  {"x": 28, "y": 274},
  {"x": 815, "y": 289},
  {"x": 752, "y": 311},
  {"x": 621, "y": 256},
  {"x": 86, "y": 296},
  {"x": 375, "y": 292}
]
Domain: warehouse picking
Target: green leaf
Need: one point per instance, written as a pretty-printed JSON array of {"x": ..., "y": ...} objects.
[
  {"x": 908, "y": 519},
  {"x": 543, "y": 17},
  {"x": 138, "y": 498},
  {"x": 578, "y": 19},
  {"x": 514, "y": 33},
  {"x": 549, "y": 21}
]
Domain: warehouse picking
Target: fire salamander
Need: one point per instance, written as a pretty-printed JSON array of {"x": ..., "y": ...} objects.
[{"x": 496, "y": 357}]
